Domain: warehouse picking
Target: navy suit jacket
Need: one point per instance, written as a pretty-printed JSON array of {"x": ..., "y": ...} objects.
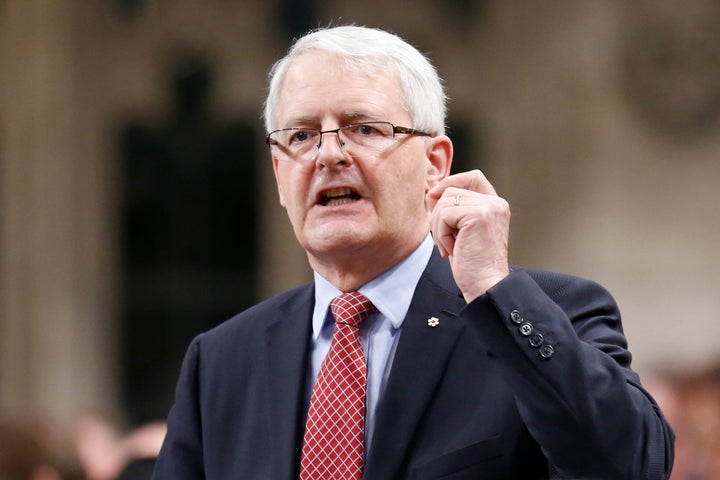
[{"x": 470, "y": 398}]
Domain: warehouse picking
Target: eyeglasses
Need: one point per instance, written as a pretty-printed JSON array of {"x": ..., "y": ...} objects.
[{"x": 303, "y": 144}]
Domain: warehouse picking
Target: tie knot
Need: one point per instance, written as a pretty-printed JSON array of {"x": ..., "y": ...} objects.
[{"x": 351, "y": 308}]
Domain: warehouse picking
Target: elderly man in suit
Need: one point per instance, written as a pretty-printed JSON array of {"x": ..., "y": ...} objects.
[{"x": 417, "y": 352}]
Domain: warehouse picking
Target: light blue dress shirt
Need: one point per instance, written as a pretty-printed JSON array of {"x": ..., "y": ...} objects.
[{"x": 391, "y": 293}]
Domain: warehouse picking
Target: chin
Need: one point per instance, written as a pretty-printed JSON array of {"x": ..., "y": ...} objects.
[{"x": 340, "y": 241}]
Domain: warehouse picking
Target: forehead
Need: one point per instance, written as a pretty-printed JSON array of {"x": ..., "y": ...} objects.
[{"x": 319, "y": 86}]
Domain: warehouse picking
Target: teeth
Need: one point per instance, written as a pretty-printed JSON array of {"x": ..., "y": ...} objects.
[
  {"x": 339, "y": 201},
  {"x": 338, "y": 192},
  {"x": 339, "y": 196}
]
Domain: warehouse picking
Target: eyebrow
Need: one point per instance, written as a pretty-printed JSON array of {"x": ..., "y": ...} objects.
[
  {"x": 345, "y": 118},
  {"x": 300, "y": 122},
  {"x": 359, "y": 116}
]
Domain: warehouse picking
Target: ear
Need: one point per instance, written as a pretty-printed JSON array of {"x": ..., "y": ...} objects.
[
  {"x": 440, "y": 154},
  {"x": 276, "y": 167}
]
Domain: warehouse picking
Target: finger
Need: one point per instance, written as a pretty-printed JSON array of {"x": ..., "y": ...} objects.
[
  {"x": 450, "y": 196},
  {"x": 444, "y": 222},
  {"x": 444, "y": 236},
  {"x": 473, "y": 180},
  {"x": 449, "y": 189},
  {"x": 431, "y": 201}
]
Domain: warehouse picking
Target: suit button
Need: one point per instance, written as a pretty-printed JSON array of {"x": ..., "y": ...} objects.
[
  {"x": 526, "y": 329},
  {"x": 536, "y": 340},
  {"x": 516, "y": 317},
  {"x": 547, "y": 351}
]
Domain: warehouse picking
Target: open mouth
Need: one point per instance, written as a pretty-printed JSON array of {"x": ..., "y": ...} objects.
[{"x": 338, "y": 196}]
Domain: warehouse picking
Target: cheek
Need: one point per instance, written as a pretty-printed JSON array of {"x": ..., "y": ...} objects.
[
  {"x": 278, "y": 172},
  {"x": 286, "y": 184},
  {"x": 293, "y": 188},
  {"x": 404, "y": 195}
]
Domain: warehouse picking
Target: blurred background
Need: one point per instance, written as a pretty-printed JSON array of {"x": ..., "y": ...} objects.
[{"x": 138, "y": 207}]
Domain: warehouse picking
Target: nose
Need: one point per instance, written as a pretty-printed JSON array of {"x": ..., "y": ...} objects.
[{"x": 331, "y": 154}]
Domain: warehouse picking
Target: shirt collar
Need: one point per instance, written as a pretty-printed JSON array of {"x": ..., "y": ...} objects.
[{"x": 391, "y": 292}]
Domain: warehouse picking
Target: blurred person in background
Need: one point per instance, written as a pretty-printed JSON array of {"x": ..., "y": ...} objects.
[
  {"x": 417, "y": 351},
  {"x": 92, "y": 447},
  {"x": 107, "y": 453},
  {"x": 698, "y": 423},
  {"x": 28, "y": 451},
  {"x": 690, "y": 399}
]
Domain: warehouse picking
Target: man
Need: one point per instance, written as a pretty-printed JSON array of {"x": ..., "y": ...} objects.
[{"x": 468, "y": 368}]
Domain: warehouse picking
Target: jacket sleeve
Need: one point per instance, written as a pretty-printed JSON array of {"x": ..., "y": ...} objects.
[
  {"x": 181, "y": 456},
  {"x": 561, "y": 344}
]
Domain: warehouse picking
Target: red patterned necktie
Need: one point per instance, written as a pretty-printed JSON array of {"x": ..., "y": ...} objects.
[{"x": 335, "y": 428}]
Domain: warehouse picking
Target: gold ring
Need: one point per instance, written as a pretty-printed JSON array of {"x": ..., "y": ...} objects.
[{"x": 456, "y": 200}]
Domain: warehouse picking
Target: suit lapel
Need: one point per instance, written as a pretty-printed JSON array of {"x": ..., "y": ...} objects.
[
  {"x": 286, "y": 354},
  {"x": 422, "y": 353}
]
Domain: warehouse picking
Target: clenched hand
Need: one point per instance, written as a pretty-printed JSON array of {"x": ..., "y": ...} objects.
[{"x": 470, "y": 224}]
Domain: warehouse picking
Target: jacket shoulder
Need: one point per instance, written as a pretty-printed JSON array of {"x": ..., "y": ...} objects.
[{"x": 268, "y": 311}]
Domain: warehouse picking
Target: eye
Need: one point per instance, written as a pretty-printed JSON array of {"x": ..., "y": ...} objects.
[
  {"x": 301, "y": 136},
  {"x": 367, "y": 130}
]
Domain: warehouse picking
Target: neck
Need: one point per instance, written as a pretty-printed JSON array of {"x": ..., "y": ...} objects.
[{"x": 352, "y": 270}]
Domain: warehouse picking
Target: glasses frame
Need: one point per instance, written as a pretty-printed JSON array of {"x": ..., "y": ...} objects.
[{"x": 321, "y": 133}]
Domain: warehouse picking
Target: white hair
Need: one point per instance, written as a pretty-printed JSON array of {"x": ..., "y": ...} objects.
[{"x": 423, "y": 95}]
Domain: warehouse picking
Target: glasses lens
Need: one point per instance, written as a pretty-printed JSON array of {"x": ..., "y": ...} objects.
[
  {"x": 296, "y": 142},
  {"x": 301, "y": 143},
  {"x": 368, "y": 135}
]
